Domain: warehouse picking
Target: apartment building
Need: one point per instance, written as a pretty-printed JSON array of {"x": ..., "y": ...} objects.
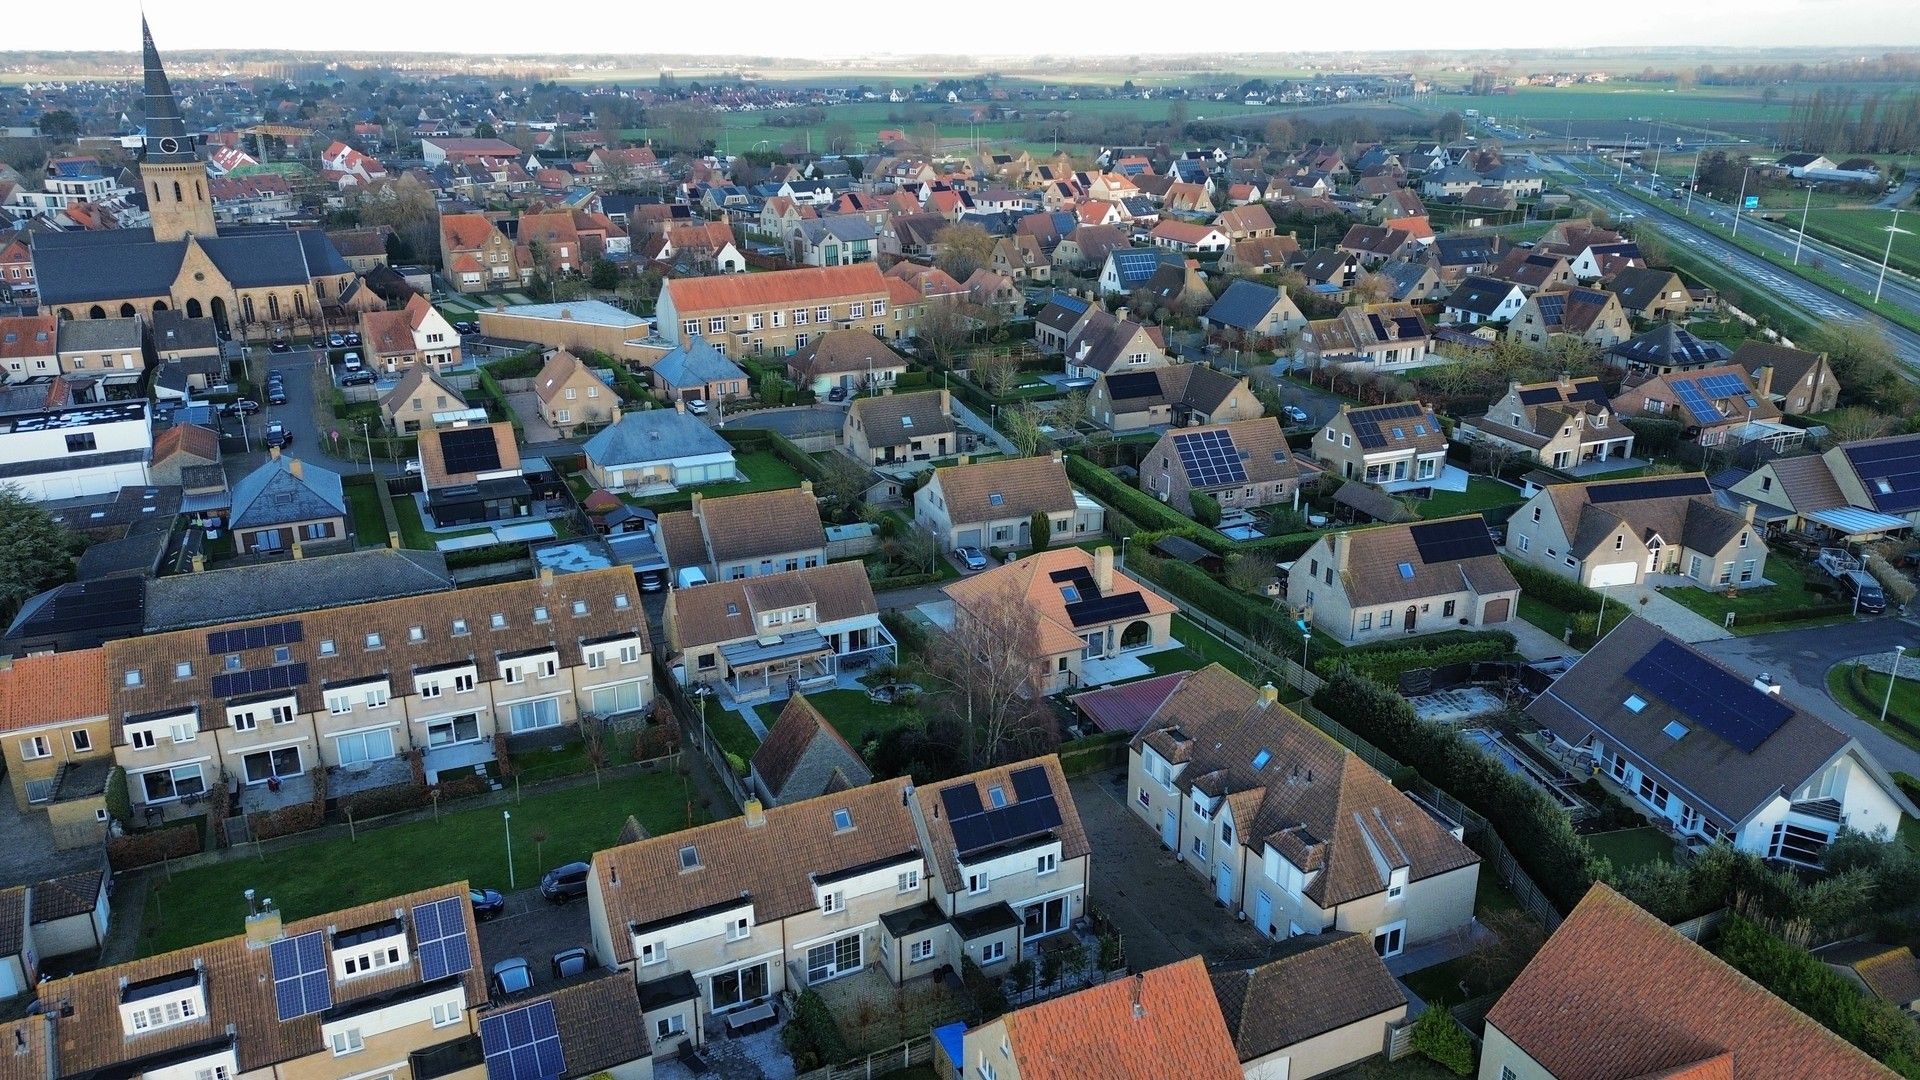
[
  {"x": 77, "y": 450},
  {"x": 713, "y": 923},
  {"x": 260, "y": 702},
  {"x": 1283, "y": 824},
  {"x": 779, "y": 312}
]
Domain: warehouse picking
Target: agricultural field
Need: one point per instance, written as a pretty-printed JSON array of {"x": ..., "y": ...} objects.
[{"x": 1860, "y": 231}]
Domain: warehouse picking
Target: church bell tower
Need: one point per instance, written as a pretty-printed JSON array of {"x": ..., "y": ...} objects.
[{"x": 171, "y": 172}]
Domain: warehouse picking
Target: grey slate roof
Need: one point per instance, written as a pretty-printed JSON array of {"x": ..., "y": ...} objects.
[
  {"x": 173, "y": 330},
  {"x": 181, "y": 601},
  {"x": 322, "y": 257},
  {"x": 1243, "y": 305},
  {"x": 844, "y": 227},
  {"x": 259, "y": 259},
  {"x": 654, "y": 435},
  {"x": 90, "y": 271},
  {"x": 98, "y": 335},
  {"x": 696, "y": 365},
  {"x": 272, "y": 495}
]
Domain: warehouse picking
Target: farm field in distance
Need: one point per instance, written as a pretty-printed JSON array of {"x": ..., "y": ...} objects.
[{"x": 1860, "y": 231}]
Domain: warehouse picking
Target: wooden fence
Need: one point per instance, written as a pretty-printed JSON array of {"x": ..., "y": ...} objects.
[
  {"x": 918, "y": 1051},
  {"x": 693, "y": 727}
]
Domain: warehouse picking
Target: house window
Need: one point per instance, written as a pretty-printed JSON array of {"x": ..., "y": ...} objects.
[
  {"x": 35, "y": 748},
  {"x": 82, "y": 740},
  {"x": 920, "y": 950},
  {"x": 717, "y": 326},
  {"x": 1526, "y": 542},
  {"x": 993, "y": 952},
  {"x": 1048, "y": 863},
  {"x": 445, "y": 1012},
  {"x": 832, "y": 902},
  {"x": 653, "y": 952},
  {"x": 977, "y": 883},
  {"x": 1389, "y": 940},
  {"x": 80, "y": 442},
  {"x": 738, "y": 929},
  {"x": 347, "y": 1042},
  {"x": 669, "y": 1026},
  {"x": 909, "y": 881}
]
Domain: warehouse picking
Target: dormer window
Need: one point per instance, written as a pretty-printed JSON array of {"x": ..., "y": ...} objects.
[{"x": 373, "y": 641}]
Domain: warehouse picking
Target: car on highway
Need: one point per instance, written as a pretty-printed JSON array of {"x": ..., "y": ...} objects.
[
  {"x": 565, "y": 884},
  {"x": 277, "y": 434},
  {"x": 1294, "y": 414},
  {"x": 487, "y": 904},
  {"x": 512, "y": 976},
  {"x": 972, "y": 558},
  {"x": 241, "y": 407},
  {"x": 358, "y": 378}
]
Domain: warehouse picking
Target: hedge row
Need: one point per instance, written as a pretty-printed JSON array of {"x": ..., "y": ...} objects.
[
  {"x": 1535, "y": 829},
  {"x": 1429, "y": 642},
  {"x": 1386, "y": 665},
  {"x": 1139, "y": 506},
  {"x": 1094, "y": 753},
  {"x": 1805, "y": 983},
  {"x": 1250, "y": 615},
  {"x": 287, "y": 820},
  {"x": 902, "y": 581},
  {"x": 1550, "y": 588},
  {"x": 156, "y": 845},
  {"x": 1799, "y": 614}
]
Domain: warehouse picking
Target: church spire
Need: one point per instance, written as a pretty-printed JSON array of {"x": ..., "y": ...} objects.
[{"x": 167, "y": 140}]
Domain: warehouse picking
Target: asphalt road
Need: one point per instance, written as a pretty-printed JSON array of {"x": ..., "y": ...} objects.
[
  {"x": 1799, "y": 661},
  {"x": 1815, "y": 300}
]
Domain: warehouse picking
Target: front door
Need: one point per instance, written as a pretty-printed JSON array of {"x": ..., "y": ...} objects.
[
  {"x": 1263, "y": 913},
  {"x": 1223, "y": 880},
  {"x": 1046, "y": 917},
  {"x": 1412, "y": 614},
  {"x": 1170, "y": 831}
]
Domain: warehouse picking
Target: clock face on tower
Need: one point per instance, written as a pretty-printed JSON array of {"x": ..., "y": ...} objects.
[{"x": 169, "y": 145}]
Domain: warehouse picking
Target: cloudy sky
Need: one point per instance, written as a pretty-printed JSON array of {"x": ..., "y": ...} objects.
[{"x": 992, "y": 27}]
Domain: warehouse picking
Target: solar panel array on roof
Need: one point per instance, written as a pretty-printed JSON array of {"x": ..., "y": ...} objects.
[
  {"x": 440, "y": 929},
  {"x": 1445, "y": 541},
  {"x": 1210, "y": 459},
  {"x": 523, "y": 1044},
  {"x": 1659, "y": 487},
  {"x": 1709, "y": 695},
  {"x": 1367, "y": 423},
  {"x": 1136, "y": 264},
  {"x": 1030, "y": 816},
  {"x": 961, "y": 800},
  {"x": 242, "y": 683},
  {"x": 1103, "y": 609},
  {"x": 1132, "y": 384},
  {"x": 1553, "y": 307},
  {"x": 253, "y": 637},
  {"x": 1031, "y": 782},
  {"x": 1721, "y": 386},
  {"x": 1539, "y": 395},
  {"x": 301, "y": 984},
  {"x": 468, "y": 450},
  {"x": 1690, "y": 395},
  {"x": 1890, "y": 471}
]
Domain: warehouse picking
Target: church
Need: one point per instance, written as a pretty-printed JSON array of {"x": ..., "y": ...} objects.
[{"x": 253, "y": 281}]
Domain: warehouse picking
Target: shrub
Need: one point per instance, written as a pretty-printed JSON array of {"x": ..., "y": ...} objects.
[
  {"x": 1815, "y": 989},
  {"x": 1248, "y": 614},
  {"x": 1385, "y": 665},
  {"x": 300, "y": 817},
  {"x": 464, "y": 785},
  {"x": 1206, "y": 508},
  {"x": 1138, "y": 506},
  {"x": 1544, "y": 585},
  {"x": 811, "y": 1036},
  {"x": 155, "y": 845},
  {"x": 382, "y": 801},
  {"x": 656, "y": 741},
  {"x": 1441, "y": 1038},
  {"x": 1898, "y": 586}
]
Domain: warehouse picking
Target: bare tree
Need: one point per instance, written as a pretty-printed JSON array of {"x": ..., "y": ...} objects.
[
  {"x": 1249, "y": 574},
  {"x": 995, "y": 373},
  {"x": 1071, "y": 411},
  {"x": 946, "y": 329},
  {"x": 843, "y": 485},
  {"x": 963, "y": 249},
  {"x": 1021, "y": 424},
  {"x": 1855, "y": 422},
  {"x": 919, "y": 549},
  {"x": 989, "y": 664}
]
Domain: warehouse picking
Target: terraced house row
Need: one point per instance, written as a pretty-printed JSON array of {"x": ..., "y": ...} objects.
[{"x": 251, "y": 706}]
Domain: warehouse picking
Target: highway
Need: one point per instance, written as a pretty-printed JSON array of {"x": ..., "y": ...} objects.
[{"x": 1816, "y": 301}]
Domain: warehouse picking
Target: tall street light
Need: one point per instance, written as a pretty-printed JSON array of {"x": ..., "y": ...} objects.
[
  {"x": 1899, "y": 651},
  {"x": 1804, "y": 211},
  {"x": 1892, "y": 230},
  {"x": 1740, "y": 203},
  {"x": 507, "y": 816}
]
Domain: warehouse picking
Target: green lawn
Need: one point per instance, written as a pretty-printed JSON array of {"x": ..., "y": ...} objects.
[
  {"x": 1788, "y": 593},
  {"x": 369, "y": 524},
  {"x": 851, "y": 713},
  {"x": 413, "y": 532},
  {"x": 1543, "y": 615},
  {"x": 764, "y": 472},
  {"x": 1483, "y": 493},
  {"x": 1861, "y": 231},
  {"x": 730, "y": 730},
  {"x": 1633, "y": 847},
  {"x": 1905, "y": 705},
  {"x": 1441, "y": 983},
  {"x": 198, "y": 905}
]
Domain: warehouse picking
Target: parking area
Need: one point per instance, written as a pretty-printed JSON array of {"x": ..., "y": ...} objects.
[
  {"x": 534, "y": 930},
  {"x": 1161, "y": 907}
]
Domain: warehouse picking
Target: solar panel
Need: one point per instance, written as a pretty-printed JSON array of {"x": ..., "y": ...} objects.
[
  {"x": 1553, "y": 308},
  {"x": 468, "y": 450},
  {"x": 1030, "y": 782},
  {"x": 1133, "y": 384},
  {"x": 301, "y": 985},
  {"x": 253, "y": 637},
  {"x": 440, "y": 929},
  {"x": 1103, "y": 609},
  {"x": 1445, "y": 541},
  {"x": 264, "y": 680},
  {"x": 1539, "y": 395},
  {"x": 1210, "y": 459},
  {"x": 1897, "y": 464},
  {"x": 960, "y": 801},
  {"x": 1661, "y": 487},
  {"x": 1367, "y": 423},
  {"x": 523, "y": 1044},
  {"x": 1724, "y": 385},
  {"x": 1709, "y": 695},
  {"x": 1696, "y": 402}
]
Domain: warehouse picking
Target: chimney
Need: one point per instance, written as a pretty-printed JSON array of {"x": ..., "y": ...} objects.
[
  {"x": 1765, "y": 684},
  {"x": 946, "y": 403},
  {"x": 1565, "y": 380},
  {"x": 1346, "y": 406},
  {"x": 1342, "y": 551},
  {"x": 273, "y": 453},
  {"x": 263, "y": 923},
  {"x": 1103, "y": 570},
  {"x": 806, "y": 487},
  {"x": 693, "y": 507},
  {"x": 966, "y": 459},
  {"x": 199, "y": 562},
  {"x": 679, "y": 405},
  {"x": 299, "y": 549},
  {"x": 1747, "y": 512},
  {"x": 1057, "y": 459},
  {"x": 1766, "y": 381},
  {"x": 294, "y": 467},
  {"x": 1513, "y": 385},
  {"x": 546, "y": 578},
  {"x": 756, "y": 813},
  {"x": 1139, "y": 1009},
  {"x": 1268, "y": 694},
  {"x": 1121, "y": 313},
  {"x": 393, "y": 539}
]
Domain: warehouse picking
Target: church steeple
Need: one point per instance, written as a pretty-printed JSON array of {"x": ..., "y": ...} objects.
[{"x": 172, "y": 176}]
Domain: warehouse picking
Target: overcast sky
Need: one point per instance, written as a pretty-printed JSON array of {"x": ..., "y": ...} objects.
[{"x": 995, "y": 27}]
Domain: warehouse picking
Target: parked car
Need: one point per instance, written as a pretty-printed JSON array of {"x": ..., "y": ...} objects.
[
  {"x": 564, "y": 884},
  {"x": 570, "y": 962},
  {"x": 276, "y": 394},
  {"x": 336, "y": 341},
  {"x": 838, "y": 393},
  {"x": 512, "y": 976},
  {"x": 972, "y": 558},
  {"x": 277, "y": 434},
  {"x": 358, "y": 378},
  {"x": 893, "y": 693},
  {"x": 413, "y": 466},
  {"x": 281, "y": 345},
  {"x": 1864, "y": 592},
  {"x": 651, "y": 580},
  {"x": 242, "y": 407},
  {"x": 487, "y": 904},
  {"x": 697, "y": 407},
  {"x": 351, "y": 361},
  {"x": 1294, "y": 414},
  {"x": 353, "y": 339}
]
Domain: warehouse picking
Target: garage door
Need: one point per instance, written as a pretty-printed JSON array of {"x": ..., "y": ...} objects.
[
  {"x": 1497, "y": 611},
  {"x": 969, "y": 538},
  {"x": 1618, "y": 573}
]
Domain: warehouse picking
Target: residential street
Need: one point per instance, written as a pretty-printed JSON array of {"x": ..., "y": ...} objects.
[{"x": 1799, "y": 660}]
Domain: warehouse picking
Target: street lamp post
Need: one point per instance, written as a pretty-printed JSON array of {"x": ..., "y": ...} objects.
[
  {"x": 1802, "y": 235},
  {"x": 1306, "y": 638},
  {"x": 1123, "y": 551},
  {"x": 1892, "y": 230},
  {"x": 1741, "y": 202},
  {"x": 366, "y": 434},
  {"x": 507, "y": 816},
  {"x": 1893, "y": 676}
]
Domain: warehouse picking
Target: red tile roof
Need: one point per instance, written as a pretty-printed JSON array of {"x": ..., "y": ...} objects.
[
  {"x": 52, "y": 688},
  {"x": 779, "y": 287},
  {"x": 1159, "y": 1023}
]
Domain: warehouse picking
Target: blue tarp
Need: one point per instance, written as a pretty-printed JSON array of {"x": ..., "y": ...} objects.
[{"x": 949, "y": 1037}]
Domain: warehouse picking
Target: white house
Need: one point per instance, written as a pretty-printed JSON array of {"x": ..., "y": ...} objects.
[
  {"x": 77, "y": 450},
  {"x": 659, "y": 449}
]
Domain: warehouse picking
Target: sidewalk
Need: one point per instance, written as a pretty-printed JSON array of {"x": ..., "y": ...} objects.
[
  {"x": 1676, "y": 619},
  {"x": 1534, "y": 643}
]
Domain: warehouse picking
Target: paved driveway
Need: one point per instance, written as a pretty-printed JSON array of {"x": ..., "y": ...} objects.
[
  {"x": 534, "y": 930},
  {"x": 1799, "y": 661},
  {"x": 1161, "y": 907},
  {"x": 526, "y": 405},
  {"x": 1320, "y": 405}
]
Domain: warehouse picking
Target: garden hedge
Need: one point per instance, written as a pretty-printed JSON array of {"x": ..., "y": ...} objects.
[
  {"x": 1140, "y": 507},
  {"x": 1385, "y": 666},
  {"x": 1804, "y": 982},
  {"x": 1550, "y": 588}
]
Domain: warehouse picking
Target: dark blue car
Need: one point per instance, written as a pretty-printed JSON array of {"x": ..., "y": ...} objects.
[{"x": 487, "y": 904}]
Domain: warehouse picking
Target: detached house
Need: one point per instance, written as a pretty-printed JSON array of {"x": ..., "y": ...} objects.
[
  {"x": 1803, "y": 382},
  {"x": 1398, "y": 446},
  {"x": 1281, "y": 823},
  {"x": 396, "y": 341},
  {"x": 751, "y": 535},
  {"x": 766, "y": 636},
  {"x": 1186, "y": 236},
  {"x": 1396, "y": 580},
  {"x": 658, "y": 450},
  {"x": 992, "y": 503},
  {"x": 1374, "y": 336},
  {"x": 1178, "y": 394},
  {"x": 1646, "y": 293},
  {"x": 852, "y": 360},
  {"x": 417, "y": 399},
  {"x": 1718, "y": 755},
  {"x": 1480, "y": 299},
  {"x": 1104, "y": 343},
  {"x": 288, "y": 506},
  {"x": 478, "y": 256},
  {"x": 900, "y": 427},
  {"x": 1593, "y": 316},
  {"x": 1022, "y": 257},
  {"x": 1711, "y": 404},
  {"x": 1560, "y": 424},
  {"x": 1242, "y": 465},
  {"x": 1252, "y": 313},
  {"x": 1311, "y": 1013},
  {"x": 571, "y": 394},
  {"x": 1618, "y": 532}
]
